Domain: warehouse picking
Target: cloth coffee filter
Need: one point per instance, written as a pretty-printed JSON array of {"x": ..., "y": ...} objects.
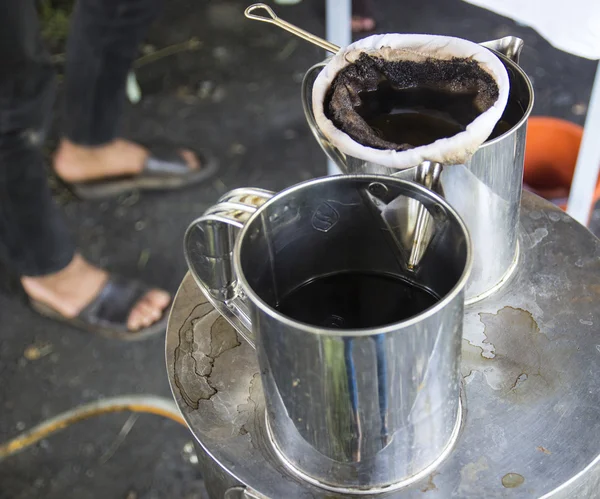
[{"x": 416, "y": 48}]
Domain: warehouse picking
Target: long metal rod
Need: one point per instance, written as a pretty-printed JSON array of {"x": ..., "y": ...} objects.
[
  {"x": 339, "y": 29},
  {"x": 273, "y": 19},
  {"x": 588, "y": 160}
]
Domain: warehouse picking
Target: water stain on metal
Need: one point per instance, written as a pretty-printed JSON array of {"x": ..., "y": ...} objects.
[
  {"x": 512, "y": 480},
  {"x": 430, "y": 485},
  {"x": 197, "y": 352},
  {"x": 520, "y": 379},
  {"x": 554, "y": 217},
  {"x": 472, "y": 359},
  {"x": 249, "y": 409},
  {"x": 544, "y": 450},
  {"x": 469, "y": 476},
  {"x": 538, "y": 236},
  {"x": 589, "y": 294},
  {"x": 525, "y": 363}
]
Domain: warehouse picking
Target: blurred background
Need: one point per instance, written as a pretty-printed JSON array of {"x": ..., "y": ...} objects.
[{"x": 209, "y": 79}]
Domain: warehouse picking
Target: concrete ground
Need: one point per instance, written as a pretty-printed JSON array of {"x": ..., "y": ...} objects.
[{"x": 237, "y": 94}]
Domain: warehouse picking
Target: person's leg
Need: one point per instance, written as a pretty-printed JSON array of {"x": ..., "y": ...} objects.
[
  {"x": 33, "y": 235},
  {"x": 34, "y": 239},
  {"x": 103, "y": 43}
]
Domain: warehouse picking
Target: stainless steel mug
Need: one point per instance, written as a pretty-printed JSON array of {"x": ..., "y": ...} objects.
[
  {"x": 351, "y": 410},
  {"x": 486, "y": 192}
]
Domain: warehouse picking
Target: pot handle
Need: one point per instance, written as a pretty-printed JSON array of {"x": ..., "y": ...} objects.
[
  {"x": 428, "y": 175},
  {"x": 332, "y": 152},
  {"x": 509, "y": 46},
  {"x": 208, "y": 247}
]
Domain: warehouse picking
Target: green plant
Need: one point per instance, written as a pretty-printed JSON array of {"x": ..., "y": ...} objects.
[{"x": 54, "y": 18}]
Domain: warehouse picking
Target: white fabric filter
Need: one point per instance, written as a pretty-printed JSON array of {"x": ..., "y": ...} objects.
[{"x": 452, "y": 150}]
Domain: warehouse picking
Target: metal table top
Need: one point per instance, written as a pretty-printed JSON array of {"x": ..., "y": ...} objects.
[{"x": 531, "y": 364}]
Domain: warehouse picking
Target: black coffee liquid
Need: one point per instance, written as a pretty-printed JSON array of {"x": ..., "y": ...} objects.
[
  {"x": 415, "y": 116},
  {"x": 513, "y": 112},
  {"x": 355, "y": 300},
  {"x": 420, "y": 116}
]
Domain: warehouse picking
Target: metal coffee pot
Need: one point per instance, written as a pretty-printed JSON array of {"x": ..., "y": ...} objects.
[{"x": 486, "y": 191}]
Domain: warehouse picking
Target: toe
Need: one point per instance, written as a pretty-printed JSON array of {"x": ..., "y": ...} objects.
[
  {"x": 134, "y": 321},
  {"x": 148, "y": 310},
  {"x": 158, "y": 298},
  {"x": 141, "y": 316}
]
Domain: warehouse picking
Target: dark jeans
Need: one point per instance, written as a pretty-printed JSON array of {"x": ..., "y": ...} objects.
[{"x": 103, "y": 41}]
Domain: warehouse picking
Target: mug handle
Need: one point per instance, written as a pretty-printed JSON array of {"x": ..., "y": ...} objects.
[
  {"x": 332, "y": 152},
  {"x": 208, "y": 247}
]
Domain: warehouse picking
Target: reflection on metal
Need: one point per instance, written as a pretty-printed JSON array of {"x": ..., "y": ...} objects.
[
  {"x": 509, "y": 46},
  {"x": 428, "y": 175},
  {"x": 529, "y": 354}
]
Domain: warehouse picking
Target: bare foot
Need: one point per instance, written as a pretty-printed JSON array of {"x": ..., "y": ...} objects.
[
  {"x": 74, "y": 163},
  {"x": 70, "y": 290}
]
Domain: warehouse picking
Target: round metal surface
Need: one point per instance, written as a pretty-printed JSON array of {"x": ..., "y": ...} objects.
[{"x": 531, "y": 358}]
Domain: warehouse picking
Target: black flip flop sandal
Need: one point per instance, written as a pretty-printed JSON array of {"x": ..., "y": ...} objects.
[
  {"x": 107, "y": 313},
  {"x": 164, "y": 169}
]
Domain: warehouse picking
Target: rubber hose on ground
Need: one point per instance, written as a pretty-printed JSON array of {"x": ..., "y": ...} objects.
[{"x": 136, "y": 403}]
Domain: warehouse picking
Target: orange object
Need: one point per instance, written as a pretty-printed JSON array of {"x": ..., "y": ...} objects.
[{"x": 551, "y": 151}]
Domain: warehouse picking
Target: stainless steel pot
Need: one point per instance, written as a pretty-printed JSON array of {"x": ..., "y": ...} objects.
[
  {"x": 352, "y": 410},
  {"x": 486, "y": 192}
]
